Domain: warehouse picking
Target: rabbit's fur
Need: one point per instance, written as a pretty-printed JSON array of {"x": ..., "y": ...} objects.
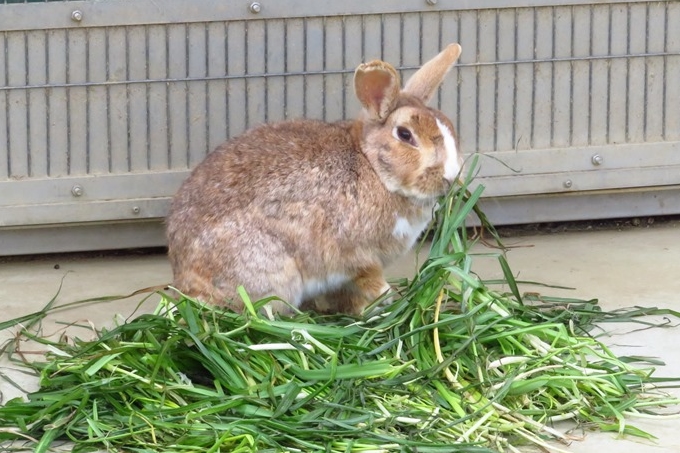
[{"x": 310, "y": 211}]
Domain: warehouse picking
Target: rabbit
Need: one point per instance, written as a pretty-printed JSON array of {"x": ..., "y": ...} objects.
[{"x": 311, "y": 212}]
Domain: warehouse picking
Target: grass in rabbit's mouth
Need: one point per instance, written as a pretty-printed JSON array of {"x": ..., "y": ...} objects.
[{"x": 451, "y": 365}]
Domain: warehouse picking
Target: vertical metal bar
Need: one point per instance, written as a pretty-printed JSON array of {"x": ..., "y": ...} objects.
[
  {"x": 363, "y": 38},
  {"x": 88, "y": 107},
  {"x": 458, "y": 82},
  {"x": 636, "y": 74},
  {"x": 440, "y": 41},
  {"x": 187, "y": 109},
  {"x": 486, "y": 24},
  {"x": 315, "y": 64},
  {"x": 420, "y": 38},
  {"x": 236, "y": 99},
  {"x": 168, "y": 134},
  {"x": 266, "y": 71},
  {"x": 206, "y": 100},
  {"x": 8, "y": 162},
  {"x": 78, "y": 99},
  {"x": 524, "y": 73},
  {"x": 600, "y": 76},
  {"x": 286, "y": 79},
  {"x": 572, "y": 54},
  {"x": 409, "y": 54},
  {"x": 390, "y": 31},
  {"x": 304, "y": 66},
  {"x": 109, "y": 144},
  {"x": 672, "y": 90},
  {"x": 147, "y": 92},
  {"x": 48, "y": 97},
  {"x": 646, "y": 76},
  {"x": 590, "y": 80},
  {"x": 616, "y": 89},
  {"x": 37, "y": 102},
  {"x": 627, "y": 114},
  {"x": 27, "y": 104},
  {"x": 56, "y": 43},
  {"x": 353, "y": 39},
  {"x": 10, "y": 169},
  {"x": 382, "y": 37},
  {"x": 581, "y": 73},
  {"x": 196, "y": 94},
  {"x": 127, "y": 99},
  {"x": 465, "y": 90},
  {"x": 138, "y": 67},
  {"x": 609, "y": 78},
  {"x": 294, "y": 85},
  {"x": 216, "y": 90},
  {"x": 256, "y": 87},
  {"x": 477, "y": 90},
  {"x": 68, "y": 101},
  {"x": 552, "y": 82},
  {"x": 504, "y": 80},
  {"x": 177, "y": 113},
  {"x": 402, "y": 18},
  {"x": 514, "y": 83},
  {"x": 665, "y": 72},
  {"x": 333, "y": 63},
  {"x": 97, "y": 113},
  {"x": 276, "y": 64},
  {"x": 544, "y": 78},
  {"x": 562, "y": 76},
  {"x": 324, "y": 79},
  {"x": 495, "y": 82},
  {"x": 344, "y": 66},
  {"x": 434, "y": 39},
  {"x": 157, "y": 98},
  {"x": 227, "y": 86},
  {"x": 533, "y": 81},
  {"x": 656, "y": 36},
  {"x": 247, "y": 71}
]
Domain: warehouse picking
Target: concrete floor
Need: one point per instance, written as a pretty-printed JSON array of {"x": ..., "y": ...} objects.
[{"x": 638, "y": 266}]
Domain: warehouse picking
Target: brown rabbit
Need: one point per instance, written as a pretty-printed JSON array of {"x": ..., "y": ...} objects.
[{"x": 312, "y": 212}]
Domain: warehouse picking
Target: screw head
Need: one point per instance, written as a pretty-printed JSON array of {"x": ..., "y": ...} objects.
[
  {"x": 567, "y": 184},
  {"x": 136, "y": 210},
  {"x": 77, "y": 15},
  {"x": 255, "y": 7},
  {"x": 77, "y": 190},
  {"x": 431, "y": 2},
  {"x": 597, "y": 159}
]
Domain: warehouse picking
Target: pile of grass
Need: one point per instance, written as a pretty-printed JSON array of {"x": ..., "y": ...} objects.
[{"x": 451, "y": 365}]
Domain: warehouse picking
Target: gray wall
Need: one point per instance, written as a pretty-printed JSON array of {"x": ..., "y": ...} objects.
[{"x": 105, "y": 106}]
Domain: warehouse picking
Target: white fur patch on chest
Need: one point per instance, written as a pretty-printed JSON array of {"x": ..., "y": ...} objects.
[{"x": 408, "y": 231}]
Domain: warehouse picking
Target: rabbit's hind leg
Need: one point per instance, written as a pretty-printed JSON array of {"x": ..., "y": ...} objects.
[{"x": 351, "y": 298}]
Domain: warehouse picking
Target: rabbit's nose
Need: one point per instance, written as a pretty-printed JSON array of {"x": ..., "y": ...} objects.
[{"x": 446, "y": 185}]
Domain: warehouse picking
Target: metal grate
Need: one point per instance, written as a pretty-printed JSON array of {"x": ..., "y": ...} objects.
[{"x": 138, "y": 98}]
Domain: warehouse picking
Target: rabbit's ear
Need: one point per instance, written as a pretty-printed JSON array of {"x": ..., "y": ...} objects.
[
  {"x": 424, "y": 83},
  {"x": 377, "y": 86}
]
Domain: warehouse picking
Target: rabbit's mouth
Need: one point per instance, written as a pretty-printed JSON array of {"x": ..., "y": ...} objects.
[{"x": 428, "y": 187}]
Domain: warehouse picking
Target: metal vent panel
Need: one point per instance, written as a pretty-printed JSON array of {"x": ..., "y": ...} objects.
[{"x": 127, "y": 93}]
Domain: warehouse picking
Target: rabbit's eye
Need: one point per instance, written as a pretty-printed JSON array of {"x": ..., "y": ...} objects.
[{"x": 405, "y": 135}]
